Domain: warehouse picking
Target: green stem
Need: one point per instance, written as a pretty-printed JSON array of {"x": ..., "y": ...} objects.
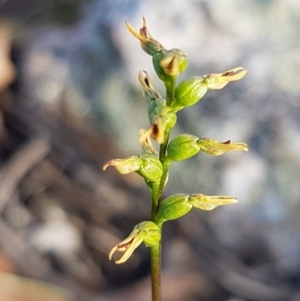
[
  {"x": 156, "y": 271},
  {"x": 170, "y": 86},
  {"x": 163, "y": 147},
  {"x": 155, "y": 250}
]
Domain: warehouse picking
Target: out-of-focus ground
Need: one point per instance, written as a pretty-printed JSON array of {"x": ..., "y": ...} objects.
[{"x": 70, "y": 101}]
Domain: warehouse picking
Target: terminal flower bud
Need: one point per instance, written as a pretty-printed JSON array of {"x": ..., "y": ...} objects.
[
  {"x": 146, "y": 232},
  {"x": 174, "y": 206},
  {"x": 148, "y": 166},
  {"x": 205, "y": 202},
  {"x": 217, "y": 148},
  {"x": 168, "y": 64},
  {"x": 219, "y": 81},
  {"x": 149, "y": 45},
  {"x": 182, "y": 147}
]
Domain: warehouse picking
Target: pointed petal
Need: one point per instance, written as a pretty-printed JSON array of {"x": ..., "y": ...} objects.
[
  {"x": 136, "y": 34},
  {"x": 216, "y": 148},
  {"x": 220, "y": 80},
  {"x": 207, "y": 203},
  {"x": 146, "y": 142},
  {"x": 124, "y": 166},
  {"x": 111, "y": 253},
  {"x": 135, "y": 243}
]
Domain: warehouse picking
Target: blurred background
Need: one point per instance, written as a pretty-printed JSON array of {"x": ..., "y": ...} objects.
[{"x": 70, "y": 101}]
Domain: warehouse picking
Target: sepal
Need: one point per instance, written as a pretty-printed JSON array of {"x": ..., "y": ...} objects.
[
  {"x": 145, "y": 140},
  {"x": 207, "y": 203},
  {"x": 217, "y": 148},
  {"x": 150, "y": 94},
  {"x": 125, "y": 166},
  {"x": 220, "y": 80}
]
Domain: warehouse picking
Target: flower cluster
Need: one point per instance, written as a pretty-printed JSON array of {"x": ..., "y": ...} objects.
[{"x": 162, "y": 114}]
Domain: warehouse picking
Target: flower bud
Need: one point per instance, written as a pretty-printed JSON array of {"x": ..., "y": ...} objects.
[
  {"x": 173, "y": 207},
  {"x": 219, "y": 81},
  {"x": 183, "y": 147},
  {"x": 217, "y": 148},
  {"x": 168, "y": 64},
  {"x": 205, "y": 202},
  {"x": 149, "y": 45},
  {"x": 146, "y": 232},
  {"x": 189, "y": 92},
  {"x": 148, "y": 166}
]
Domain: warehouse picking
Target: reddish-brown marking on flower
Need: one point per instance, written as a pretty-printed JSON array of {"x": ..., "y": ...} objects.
[
  {"x": 126, "y": 245},
  {"x": 228, "y": 73},
  {"x": 147, "y": 82},
  {"x": 144, "y": 30}
]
